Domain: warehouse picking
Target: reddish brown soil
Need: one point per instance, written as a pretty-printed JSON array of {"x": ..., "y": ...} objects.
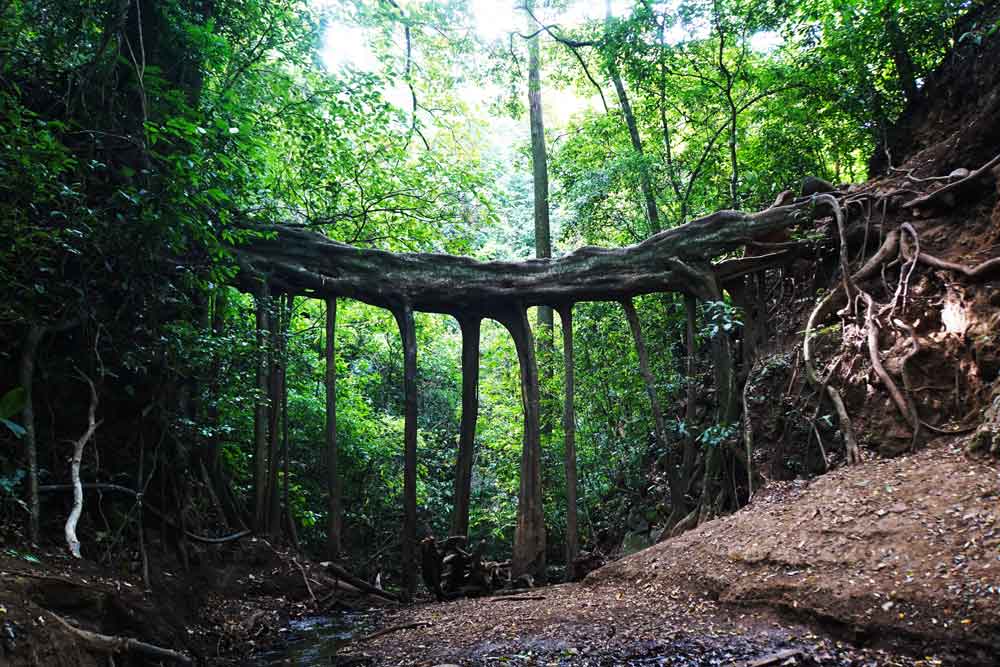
[{"x": 899, "y": 555}]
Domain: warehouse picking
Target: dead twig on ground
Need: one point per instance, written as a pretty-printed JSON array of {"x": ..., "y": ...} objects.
[{"x": 393, "y": 628}]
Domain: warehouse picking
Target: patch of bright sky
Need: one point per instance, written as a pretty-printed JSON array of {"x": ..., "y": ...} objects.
[{"x": 346, "y": 45}]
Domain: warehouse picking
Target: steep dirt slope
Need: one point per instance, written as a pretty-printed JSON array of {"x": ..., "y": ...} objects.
[
  {"x": 906, "y": 549},
  {"x": 901, "y": 556}
]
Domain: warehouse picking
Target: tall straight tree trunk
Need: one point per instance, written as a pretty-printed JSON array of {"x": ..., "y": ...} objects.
[
  {"x": 569, "y": 435},
  {"x": 404, "y": 318},
  {"x": 905, "y": 70},
  {"x": 333, "y": 524},
  {"x": 543, "y": 235},
  {"x": 27, "y": 379},
  {"x": 645, "y": 182},
  {"x": 734, "y": 163},
  {"x": 467, "y": 430},
  {"x": 529, "y": 535},
  {"x": 261, "y": 408}
]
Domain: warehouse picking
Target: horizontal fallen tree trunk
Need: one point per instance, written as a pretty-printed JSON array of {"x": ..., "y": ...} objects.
[
  {"x": 360, "y": 584},
  {"x": 100, "y": 486},
  {"x": 300, "y": 261}
]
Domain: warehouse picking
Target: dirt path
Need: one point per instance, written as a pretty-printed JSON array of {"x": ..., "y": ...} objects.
[{"x": 899, "y": 556}]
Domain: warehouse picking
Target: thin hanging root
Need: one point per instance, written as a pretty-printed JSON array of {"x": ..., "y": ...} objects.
[
  {"x": 822, "y": 309},
  {"x": 850, "y": 441},
  {"x": 873, "y": 353},
  {"x": 907, "y": 383},
  {"x": 748, "y": 431},
  {"x": 904, "y": 280}
]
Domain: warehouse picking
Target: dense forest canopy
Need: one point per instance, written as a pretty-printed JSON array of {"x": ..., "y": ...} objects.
[{"x": 141, "y": 142}]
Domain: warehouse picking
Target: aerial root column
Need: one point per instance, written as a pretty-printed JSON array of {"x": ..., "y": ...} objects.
[
  {"x": 467, "y": 431},
  {"x": 646, "y": 371},
  {"x": 404, "y": 318},
  {"x": 569, "y": 434},
  {"x": 261, "y": 412},
  {"x": 332, "y": 451},
  {"x": 529, "y": 536}
]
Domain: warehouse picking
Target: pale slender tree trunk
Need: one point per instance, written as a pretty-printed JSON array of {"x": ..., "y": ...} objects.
[
  {"x": 333, "y": 526},
  {"x": 467, "y": 430},
  {"x": 72, "y": 543},
  {"x": 645, "y": 182}
]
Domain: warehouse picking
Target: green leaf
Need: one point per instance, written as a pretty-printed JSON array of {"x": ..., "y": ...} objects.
[
  {"x": 12, "y": 402},
  {"x": 16, "y": 429}
]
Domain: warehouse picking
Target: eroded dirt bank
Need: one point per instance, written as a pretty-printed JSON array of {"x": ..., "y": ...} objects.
[{"x": 900, "y": 558}]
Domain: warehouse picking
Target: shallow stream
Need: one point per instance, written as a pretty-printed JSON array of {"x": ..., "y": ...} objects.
[
  {"x": 325, "y": 640},
  {"x": 315, "y": 640}
]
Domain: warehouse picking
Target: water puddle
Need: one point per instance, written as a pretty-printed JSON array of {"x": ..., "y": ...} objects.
[{"x": 315, "y": 640}]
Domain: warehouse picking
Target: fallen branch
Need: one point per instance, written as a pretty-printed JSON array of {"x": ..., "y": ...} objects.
[
  {"x": 360, "y": 584},
  {"x": 47, "y": 488},
  {"x": 955, "y": 431},
  {"x": 111, "y": 644},
  {"x": 518, "y": 598},
  {"x": 775, "y": 658},
  {"x": 952, "y": 187},
  {"x": 393, "y": 628},
  {"x": 512, "y": 592},
  {"x": 42, "y": 577},
  {"x": 305, "y": 578}
]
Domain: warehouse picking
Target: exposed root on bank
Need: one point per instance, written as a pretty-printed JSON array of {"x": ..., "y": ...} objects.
[{"x": 113, "y": 645}]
